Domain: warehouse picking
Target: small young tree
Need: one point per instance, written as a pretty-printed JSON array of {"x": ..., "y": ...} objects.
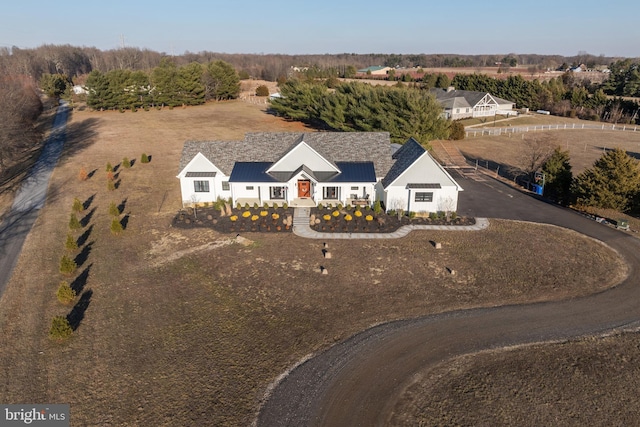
[
  {"x": 116, "y": 226},
  {"x": 113, "y": 209},
  {"x": 144, "y": 158},
  {"x": 74, "y": 222},
  {"x": 83, "y": 175},
  {"x": 60, "y": 328},
  {"x": 67, "y": 265},
  {"x": 126, "y": 163},
  {"x": 111, "y": 185},
  {"x": 65, "y": 294},
  {"x": 71, "y": 243},
  {"x": 109, "y": 168},
  {"x": 77, "y": 205}
]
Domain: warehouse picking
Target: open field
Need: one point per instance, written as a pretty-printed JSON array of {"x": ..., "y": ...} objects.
[{"x": 186, "y": 327}]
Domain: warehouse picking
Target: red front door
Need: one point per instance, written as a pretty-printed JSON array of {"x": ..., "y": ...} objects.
[{"x": 304, "y": 188}]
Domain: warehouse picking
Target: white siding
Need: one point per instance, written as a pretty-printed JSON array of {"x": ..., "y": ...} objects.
[
  {"x": 200, "y": 164},
  {"x": 300, "y": 155}
]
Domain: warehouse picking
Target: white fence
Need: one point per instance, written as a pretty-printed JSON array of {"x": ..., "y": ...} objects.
[{"x": 469, "y": 133}]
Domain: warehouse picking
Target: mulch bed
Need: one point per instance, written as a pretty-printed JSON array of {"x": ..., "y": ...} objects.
[{"x": 270, "y": 220}]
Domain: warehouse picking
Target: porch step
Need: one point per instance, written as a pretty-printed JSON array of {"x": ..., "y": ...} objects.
[{"x": 301, "y": 216}]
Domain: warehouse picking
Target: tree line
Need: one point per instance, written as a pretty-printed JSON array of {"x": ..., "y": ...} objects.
[
  {"x": 166, "y": 85},
  {"x": 20, "y": 108},
  {"x": 402, "y": 111}
]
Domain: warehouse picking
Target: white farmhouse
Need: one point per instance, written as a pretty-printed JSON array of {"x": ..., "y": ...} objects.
[{"x": 305, "y": 169}]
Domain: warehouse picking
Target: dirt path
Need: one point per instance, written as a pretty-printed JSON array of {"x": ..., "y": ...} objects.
[{"x": 359, "y": 381}]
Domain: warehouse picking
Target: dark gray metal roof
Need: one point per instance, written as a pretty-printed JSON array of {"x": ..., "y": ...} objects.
[
  {"x": 355, "y": 172},
  {"x": 271, "y": 146},
  {"x": 251, "y": 172},
  {"x": 405, "y": 156},
  {"x": 423, "y": 186},
  {"x": 200, "y": 174}
]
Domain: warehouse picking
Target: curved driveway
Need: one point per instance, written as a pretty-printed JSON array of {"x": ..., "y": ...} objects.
[{"x": 357, "y": 382}]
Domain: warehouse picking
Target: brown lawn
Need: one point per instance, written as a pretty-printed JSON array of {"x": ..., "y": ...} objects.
[{"x": 186, "y": 327}]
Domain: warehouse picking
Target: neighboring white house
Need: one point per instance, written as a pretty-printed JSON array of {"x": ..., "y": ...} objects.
[
  {"x": 304, "y": 169},
  {"x": 461, "y": 104}
]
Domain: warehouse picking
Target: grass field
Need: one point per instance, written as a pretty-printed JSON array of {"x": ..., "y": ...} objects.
[{"x": 186, "y": 327}]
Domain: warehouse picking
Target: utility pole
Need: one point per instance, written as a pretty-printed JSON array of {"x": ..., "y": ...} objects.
[{"x": 121, "y": 41}]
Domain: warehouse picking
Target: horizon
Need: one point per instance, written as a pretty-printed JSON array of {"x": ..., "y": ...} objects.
[{"x": 333, "y": 28}]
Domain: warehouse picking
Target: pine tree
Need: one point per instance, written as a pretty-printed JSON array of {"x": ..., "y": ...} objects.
[
  {"x": 65, "y": 294},
  {"x": 60, "y": 328},
  {"x": 67, "y": 265},
  {"x": 71, "y": 243},
  {"x": 612, "y": 183},
  {"x": 74, "y": 223},
  {"x": 558, "y": 176},
  {"x": 116, "y": 226},
  {"x": 77, "y": 205}
]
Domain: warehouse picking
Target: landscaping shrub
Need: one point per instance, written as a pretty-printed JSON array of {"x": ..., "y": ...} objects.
[
  {"x": 456, "y": 130},
  {"x": 116, "y": 226},
  {"x": 71, "y": 243},
  {"x": 65, "y": 294},
  {"x": 60, "y": 328},
  {"x": 67, "y": 265},
  {"x": 285, "y": 205},
  {"x": 262, "y": 90},
  {"x": 144, "y": 158},
  {"x": 377, "y": 207},
  {"x": 74, "y": 222}
]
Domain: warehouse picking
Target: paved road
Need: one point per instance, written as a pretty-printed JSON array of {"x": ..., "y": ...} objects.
[
  {"x": 30, "y": 199},
  {"x": 357, "y": 382}
]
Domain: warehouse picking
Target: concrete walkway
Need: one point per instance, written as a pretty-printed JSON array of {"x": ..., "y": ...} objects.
[{"x": 301, "y": 228}]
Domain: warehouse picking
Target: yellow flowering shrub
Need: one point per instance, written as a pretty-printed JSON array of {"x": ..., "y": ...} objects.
[
  {"x": 326, "y": 217},
  {"x": 275, "y": 216},
  {"x": 368, "y": 218},
  {"x": 233, "y": 217},
  {"x": 358, "y": 213},
  {"x": 263, "y": 213},
  {"x": 254, "y": 218},
  {"x": 335, "y": 213},
  {"x": 348, "y": 217},
  {"x": 246, "y": 214}
]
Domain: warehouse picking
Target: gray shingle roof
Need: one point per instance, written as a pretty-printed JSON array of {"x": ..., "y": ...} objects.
[
  {"x": 270, "y": 146},
  {"x": 405, "y": 156}
]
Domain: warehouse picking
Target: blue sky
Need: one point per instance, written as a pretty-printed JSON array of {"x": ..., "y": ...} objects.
[{"x": 330, "y": 26}]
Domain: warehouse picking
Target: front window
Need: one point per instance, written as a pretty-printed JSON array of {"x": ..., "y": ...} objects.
[
  {"x": 330, "y": 193},
  {"x": 225, "y": 185},
  {"x": 276, "y": 193},
  {"x": 424, "y": 197},
  {"x": 201, "y": 186}
]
